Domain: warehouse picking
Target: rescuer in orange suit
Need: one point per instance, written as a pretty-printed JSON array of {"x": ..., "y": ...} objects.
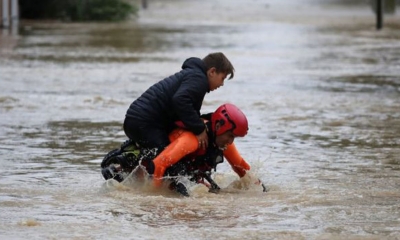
[{"x": 184, "y": 154}]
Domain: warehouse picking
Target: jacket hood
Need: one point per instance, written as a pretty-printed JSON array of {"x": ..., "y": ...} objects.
[{"x": 194, "y": 63}]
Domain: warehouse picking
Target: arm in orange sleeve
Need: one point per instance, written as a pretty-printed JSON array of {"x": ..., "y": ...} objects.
[
  {"x": 239, "y": 165},
  {"x": 182, "y": 143}
]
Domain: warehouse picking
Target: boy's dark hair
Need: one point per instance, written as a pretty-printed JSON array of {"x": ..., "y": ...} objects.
[{"x": 220, "y": 62}]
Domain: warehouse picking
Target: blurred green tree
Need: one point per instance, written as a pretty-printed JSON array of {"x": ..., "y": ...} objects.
[{"x": 77, "y": 10}]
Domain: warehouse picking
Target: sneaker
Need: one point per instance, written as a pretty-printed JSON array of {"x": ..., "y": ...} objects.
[
  {"x": 112, "y": 172},
  {"x": 180, "y": 188}
]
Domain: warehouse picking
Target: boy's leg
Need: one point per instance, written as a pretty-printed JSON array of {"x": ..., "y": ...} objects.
[
  {"x": 146, "y": 136},
  {"x": 151, "y": 140}
]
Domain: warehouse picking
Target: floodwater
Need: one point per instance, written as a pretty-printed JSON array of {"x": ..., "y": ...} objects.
[{"x": 320, "y": 87}]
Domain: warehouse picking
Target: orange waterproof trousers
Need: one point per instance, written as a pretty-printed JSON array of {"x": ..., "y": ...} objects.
[{"x": 183, "y": 143}]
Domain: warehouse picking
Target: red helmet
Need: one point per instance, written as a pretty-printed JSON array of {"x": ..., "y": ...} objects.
[{"x": 230, "y": 118}]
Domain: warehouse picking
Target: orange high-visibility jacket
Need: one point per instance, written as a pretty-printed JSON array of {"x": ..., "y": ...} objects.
[{"x": 183, "y": 143}]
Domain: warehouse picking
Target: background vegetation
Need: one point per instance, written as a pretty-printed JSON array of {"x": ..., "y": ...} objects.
[{"x": 77, "y": 10}]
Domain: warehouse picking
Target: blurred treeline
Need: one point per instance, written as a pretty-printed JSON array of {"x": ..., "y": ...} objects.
[{"x": 77, "y": 10}]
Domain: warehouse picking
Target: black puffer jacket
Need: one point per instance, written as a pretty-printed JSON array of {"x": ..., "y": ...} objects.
[{"x": 178, "y": 97}]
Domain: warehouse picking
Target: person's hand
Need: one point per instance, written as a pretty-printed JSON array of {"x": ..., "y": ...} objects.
[
  {"x": 265, "y": 188},
  {"x": 203, "y": 139},
  {"x": 247, "y": 179}
]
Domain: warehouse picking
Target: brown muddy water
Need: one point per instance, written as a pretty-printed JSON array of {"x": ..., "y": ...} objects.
[{"x": 320, "y": 87}]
